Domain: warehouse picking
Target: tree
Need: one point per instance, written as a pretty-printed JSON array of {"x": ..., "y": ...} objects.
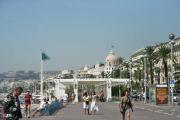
[
  {"x": 157, "y": 71},
  {"x": 138, "y": 75},
  {"x": 103, "y": 74},
  {"x": 149, "y": 51},
  {"x": 125, "y": 74},
  {"x": 163, "y": 54},
  {"x": 177, "y": 86},
  {"x": 116, "y": 73},
  {"x": 120, "y": 60}
]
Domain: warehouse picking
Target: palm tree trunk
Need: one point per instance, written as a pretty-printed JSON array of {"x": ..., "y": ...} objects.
[
  {"x": 159, "y": 77},
  {"x": 151, "y": 72},
  {"x": 165, "y": 71}
]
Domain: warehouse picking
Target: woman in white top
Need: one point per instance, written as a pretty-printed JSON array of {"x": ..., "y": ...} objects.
[{"x": 94, "y": 106}]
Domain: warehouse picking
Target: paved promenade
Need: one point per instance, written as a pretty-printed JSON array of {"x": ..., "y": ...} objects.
[{"x": 109, "y": 111}]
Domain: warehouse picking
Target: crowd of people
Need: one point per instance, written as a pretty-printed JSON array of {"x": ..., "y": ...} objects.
[
  {"x": 12, "y": 106},
  {"x": 12, "y": 109}
]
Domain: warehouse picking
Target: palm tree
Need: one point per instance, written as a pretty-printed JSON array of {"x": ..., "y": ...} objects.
[
  {"x": 149, "y": 51},
  {"x": 126, "y": 64},
  {"x": 163, "y": 54},
  {"x": 138, "y": 75},
  {"x": 158, "y": 70}
]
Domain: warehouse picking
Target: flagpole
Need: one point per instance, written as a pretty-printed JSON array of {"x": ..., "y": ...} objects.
[{"x": 41, "y": 62}]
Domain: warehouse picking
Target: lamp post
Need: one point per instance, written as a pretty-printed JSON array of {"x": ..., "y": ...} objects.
[
  {"x": 171, "y": 37},
  {"x": 145, "y": 78},
  {"x": 130, "y": 76}
]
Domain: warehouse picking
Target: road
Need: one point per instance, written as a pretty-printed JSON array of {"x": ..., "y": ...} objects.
[{"x": 109, "y": 111}]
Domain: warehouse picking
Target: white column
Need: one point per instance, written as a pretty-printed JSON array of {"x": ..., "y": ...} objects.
[
  {"x": 57, "y": 89},
  {"x": 108, "y": 89},
  {"x": 76, "y": 90}
]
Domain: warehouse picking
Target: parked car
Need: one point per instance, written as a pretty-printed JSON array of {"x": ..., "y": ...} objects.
[{"x": 176, "y": 97}]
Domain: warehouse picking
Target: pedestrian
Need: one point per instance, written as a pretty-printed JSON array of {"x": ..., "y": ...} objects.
[
  {"x": 73, "y": 98},
  {"x": 27, "y": 102},
  {"x": 102, "y": 96},
  {"x": 86, "y": 103},
  {"x": 94, "y": 107},
  {"x": 11, "y": 107},
  {"x": 65, "y": 99},
  {"x": 125, "y": 105}
]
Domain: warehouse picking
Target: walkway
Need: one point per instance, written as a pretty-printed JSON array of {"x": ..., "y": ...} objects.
[
  {"x": 108, "y": 111},
  {"x": 74, "y": 112}
]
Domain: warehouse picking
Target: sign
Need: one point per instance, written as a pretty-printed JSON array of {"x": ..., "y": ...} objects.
[
  {"x": 171, "y": 82},
  {"x": 145, "y": 83},
  {"x": 161, "y": 94}
]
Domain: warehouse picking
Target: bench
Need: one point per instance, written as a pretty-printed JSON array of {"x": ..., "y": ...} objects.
[{"x": 51, "y": 108}]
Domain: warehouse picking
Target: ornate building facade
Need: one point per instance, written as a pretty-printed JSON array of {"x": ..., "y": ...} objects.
[{"x": 138, "y": 57}]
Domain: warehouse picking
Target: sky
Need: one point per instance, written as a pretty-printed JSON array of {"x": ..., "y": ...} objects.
[{"x": 75, "y": 33}]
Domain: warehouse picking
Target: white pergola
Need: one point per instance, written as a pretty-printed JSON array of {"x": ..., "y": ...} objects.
[{"x": 107, "y": 82}]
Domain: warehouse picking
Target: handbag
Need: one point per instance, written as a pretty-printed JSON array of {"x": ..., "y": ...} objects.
[
  {"x": 121, "y": 107},
  {"x": 96, "y": 108}
]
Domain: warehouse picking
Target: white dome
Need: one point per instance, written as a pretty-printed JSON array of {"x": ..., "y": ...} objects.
[{"x": 112, "y": 59}]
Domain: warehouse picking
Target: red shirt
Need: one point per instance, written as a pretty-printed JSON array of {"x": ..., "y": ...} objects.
[{"x": 27, "y": 99}]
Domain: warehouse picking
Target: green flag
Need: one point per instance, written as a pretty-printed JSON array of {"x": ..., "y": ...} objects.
[{"x": 45, "y": 57}]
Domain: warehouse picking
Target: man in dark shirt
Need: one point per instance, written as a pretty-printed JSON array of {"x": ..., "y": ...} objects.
[{"x": 11, "y": 107}]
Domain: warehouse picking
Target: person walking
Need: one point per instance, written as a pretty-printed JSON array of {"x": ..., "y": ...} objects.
[
  {"x": 101, "y": 98},
  {"x": 86, "y": 103},
  {"x": 125, "y": 105},
  {"x": 94, "y": 108},
  {"x": 65, "y": 99},
  {"x": 27, "y": 102},
  {"x": 11, "y": 107}
]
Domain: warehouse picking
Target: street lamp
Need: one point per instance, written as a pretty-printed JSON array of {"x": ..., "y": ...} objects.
[
  {"x": 145, "y": 78},
  {"x": 171, "y": 37},
  {"x": 130, "y": 84}
]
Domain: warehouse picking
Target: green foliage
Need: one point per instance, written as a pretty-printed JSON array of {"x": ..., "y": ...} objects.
[
  {"x": 135, "y": 85},
  {"x": 163, "y": 54},
  {"x": 117, "y": 89},
  {"x": 149, "y": 51},
  {"x": 116, "y": 73},
  {"x": 177, "y": 86},
  {"x": 125, "y": 74}
]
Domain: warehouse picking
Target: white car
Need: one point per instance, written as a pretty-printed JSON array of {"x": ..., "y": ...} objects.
[{"x": 176, "y": 97}]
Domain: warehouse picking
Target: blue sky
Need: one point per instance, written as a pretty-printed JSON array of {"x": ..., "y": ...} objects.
[{"x": 75, "y": 33}]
